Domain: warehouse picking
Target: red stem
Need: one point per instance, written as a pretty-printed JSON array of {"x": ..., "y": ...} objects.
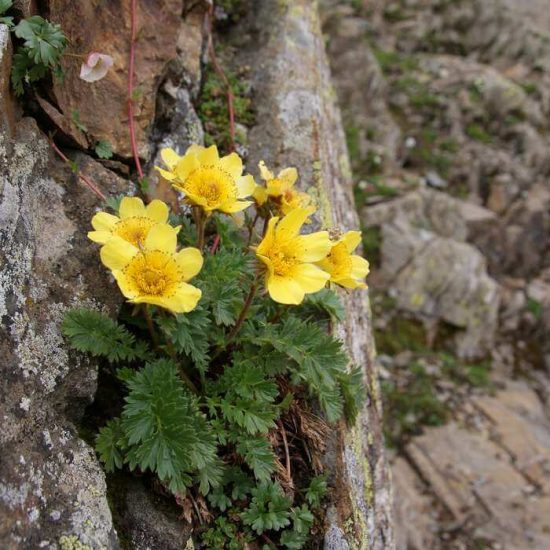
[
  {"x": 131, "y": 88},
  {"x": 84, "y": 179},
  {"x": 215, "y": 244},
  {"x": 221, "y": 74}
]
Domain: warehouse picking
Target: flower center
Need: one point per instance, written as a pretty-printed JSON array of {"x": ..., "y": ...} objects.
[
  {"x": 153, "y": 273},
  {"x": 283, "y": 262},
  {"x": 211, "y": 184},
  {"x": 134, "y": 230}
]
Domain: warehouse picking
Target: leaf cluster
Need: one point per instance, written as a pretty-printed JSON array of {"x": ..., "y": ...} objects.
[{"x": 43, "y": 45}]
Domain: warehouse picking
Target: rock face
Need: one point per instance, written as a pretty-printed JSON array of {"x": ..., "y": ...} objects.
[
  {"x": 298, "y": 124},
  {"x": 52, "y": 487},
  {"x": 104, "y": 27}
]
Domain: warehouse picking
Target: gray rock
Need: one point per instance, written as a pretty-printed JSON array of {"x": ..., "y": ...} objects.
[{"x": 52, "y": 488}]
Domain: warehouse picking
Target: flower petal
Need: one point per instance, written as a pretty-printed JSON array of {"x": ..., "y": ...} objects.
[
  {"x": 131, "y": 207},
  {"x": 158, "y": 211},
  {"x": 232, "y": 164},
  {"x": 189, "y": 261},
  {"x": 169, "y": 157},
  {"x": 127, "y": 289},
  {"x": 288, "y": 176},
  {"x": 99, "y": 236},
  {"x": 162, "y": 237},
  {"x": 352, "y": 239},
  {"x": 310, "y": 277},
  {"x": 194, "y": 149},
  {"x": 184, "y": 299},
  {"x": 292, "y": 222},
  {"x": 235, "y": 206},
  {"x": 265, "y": 173},
  {"x": 245, "y": 186},
  {"x": 350, "y": 283},
  {"x": 104, "y": 222},
  {"x": 315, "y": 246},
  {"x": 284, "y": 290},
  {"x": 117, "y": 253},
  {"x": 269, "y": 236},
  {"x": 170, "y": 176},
  {"x": 209, "y": 156},
  {"x": 185, "y": 166},
  {"x": 260, "y": 194},
  {"x": 359, "y": 267}
]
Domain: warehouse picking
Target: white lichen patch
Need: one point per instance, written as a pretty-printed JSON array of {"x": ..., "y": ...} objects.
[{"x": 25, "y": 404}]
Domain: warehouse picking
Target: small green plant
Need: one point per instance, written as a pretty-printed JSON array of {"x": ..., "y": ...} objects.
[
  {"x": 103, "y": 149},
  {"x": 478, "y": 133},
  {"x": 211, "y": 375},
  {"x": 41, "y": 50}
]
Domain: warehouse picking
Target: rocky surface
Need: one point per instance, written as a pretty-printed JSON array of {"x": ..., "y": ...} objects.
[
  {"x": 450, "y": 152},
  {"x": 52, "y": 488}
]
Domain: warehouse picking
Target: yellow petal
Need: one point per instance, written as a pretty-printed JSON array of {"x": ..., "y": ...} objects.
[
  {"x": 170, "y": 176},
  {"x": 315, "y": 246},
  {"x": 162, "y": 237},
  {"x": 290, "y": 225},
  {"x": 184, "y": 300},
  {"x": 185, "y": 166},
  {"x": 352, "y": 239},
  {"x": 359, "y": 267},
  {"x": 131, "y": 207},
  {"x": 158, "y": 211},
  {"x": 245, "y": 186},
  {"x": 99, "y": 236},
  {"x": 209, "y": 156},
  {"x": 310, "y": 277},
  {"x": 189, "y": 261},
  {"x": 284, "y": 290},
  {"x": 117, "y": 253},
  {"x": 288, "y": 176},
  {"x": 169, "y": 157},
  {"x": 197, "y": 199},
  {"x": 194, "y": 149},
  {"x": 104, "y": 222},
  {"x": 235, "y": 206},
  {"x": 267, "y": 262},
  {"x": 260, "y": 194},
  {"x": 128, "y": 290},
  {"x": 265, "y": 173},
  {"x": 269, "y": 236},
  {"x": 350, "y": 283},
  {"x": 232, "y": 164}
]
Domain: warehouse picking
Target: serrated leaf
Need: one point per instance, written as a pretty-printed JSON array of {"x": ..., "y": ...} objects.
[
  {"x": 258, "y": 455},
  {"x": 103, "y": 149},
  {"x": 317, "y": 490},
  {"x": 97, "y": 334},
  {"x": 268, "y": 510},
  {"x": 325, "y": 301},
  {"x": 5, "y": 5},
  {"x": 109, "y": 443}
]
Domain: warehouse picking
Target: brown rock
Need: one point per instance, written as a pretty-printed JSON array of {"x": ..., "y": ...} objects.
[{"x": 105, "y": 27}]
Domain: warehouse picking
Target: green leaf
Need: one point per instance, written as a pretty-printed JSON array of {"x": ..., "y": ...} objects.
[
  {"x": 103, "y": 149},
  {"x": 5, "y": 5},
  {"x": 353, "y": 391},
  {"x": 257, "y": 454},
  {"x": 109, "y": 442},
  {"x": 7, "y": 20},
  {"x": 113, "y": 202},
  {"x": 44, "y": 41},
  {"x": 268, "y": 510},
  {"x": 97, "y": 334},
  {"x": 189, "y": 334},
  {"x": 316, "y": 491},
  {"x": 219, "y": 499},
  {"x": 166, "y": 431},
  {"x": 325, "y": 301}
]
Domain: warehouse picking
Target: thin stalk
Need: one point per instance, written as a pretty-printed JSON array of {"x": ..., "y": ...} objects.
[
  {"x": 287, "y": 453},
  {"x": 131, "y": 122},
  {"x": 82, "y": 178},
  {"x": 251, "y": 229},
  {"x": 215, "y": 243},
  {"x": 150, "y": 326},
  {"x": 244, "y": 311}
]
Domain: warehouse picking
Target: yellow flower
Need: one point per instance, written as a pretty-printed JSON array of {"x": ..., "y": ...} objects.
[
  {"x": 154, "y": 273},
  {"x": 289, "y": 258},
  {"x": 280, "y": 189},
  {"x": 207, "y": 180},
  {"x": 134, "y": 223},
  {"x": 346, "y": 269}
]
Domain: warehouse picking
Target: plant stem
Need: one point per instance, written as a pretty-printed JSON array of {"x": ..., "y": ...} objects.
[
  {"x": 287, "y": 453},
  {"x": 251, "y": 229},
  {"x": 200, "y": 222},
  {"x": 131, "y": 122},
  {"x": 84, "y": 179},
  {"x": 244, "y": 311},
  {"x": 150, "y": 326},
  {"x": 215, "y": 243}
]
